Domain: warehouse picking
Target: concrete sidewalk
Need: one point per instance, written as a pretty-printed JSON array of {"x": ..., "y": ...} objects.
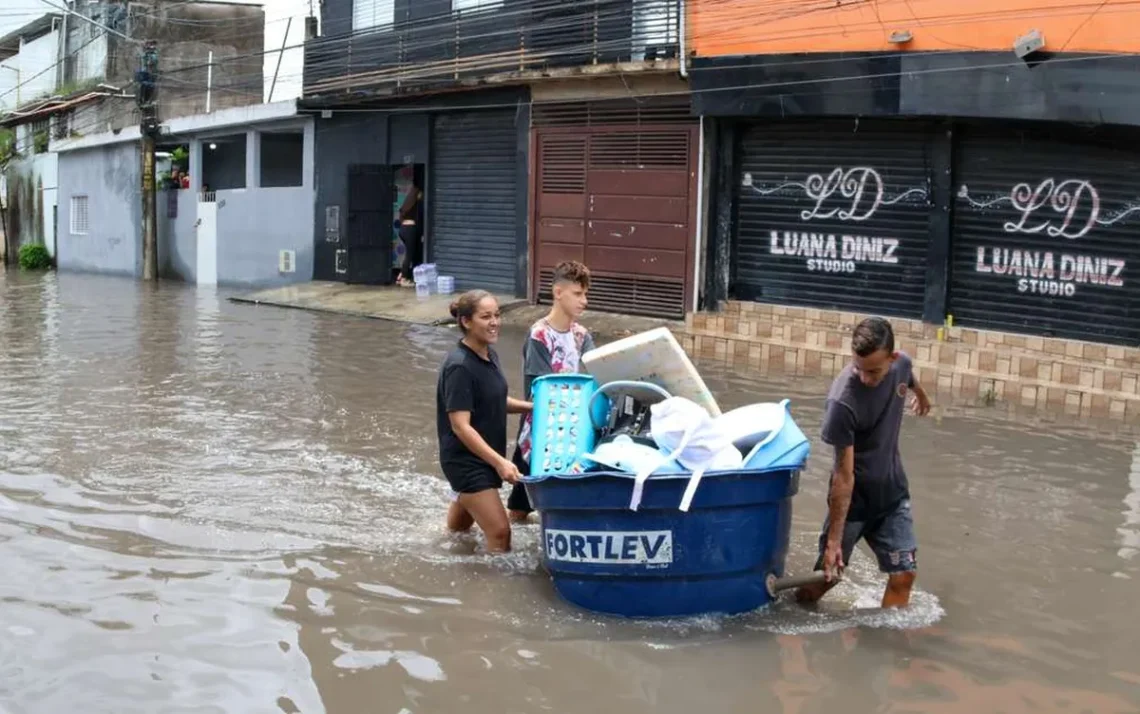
[
  {"x": 379, "y": 302},
  {"x": 402, "y": 305}
]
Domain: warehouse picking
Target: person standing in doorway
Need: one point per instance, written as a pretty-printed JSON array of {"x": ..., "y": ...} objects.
[
  {"x": 471, "y": 420},
  {"x": 555, "y": 346},
  {"x": 410, "y": 223},
  {"x": 869, "y": 497}
]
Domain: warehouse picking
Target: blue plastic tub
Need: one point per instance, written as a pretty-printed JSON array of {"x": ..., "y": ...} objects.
[{"x": 658, "y": 561}]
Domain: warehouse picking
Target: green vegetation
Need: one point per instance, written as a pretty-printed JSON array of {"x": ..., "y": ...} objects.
[
  {"x": 180, "y": 159},
  {"x": 7, "y": 146},
  {"x": 65, "y": 90},
  {"x": 69, "y": 88},
  {"x": 34, "y": 256}
]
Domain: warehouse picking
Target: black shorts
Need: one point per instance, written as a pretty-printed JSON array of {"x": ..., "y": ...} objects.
[
  {"x": 518, "y": 500},
  {"x": 469, "y": 478}
]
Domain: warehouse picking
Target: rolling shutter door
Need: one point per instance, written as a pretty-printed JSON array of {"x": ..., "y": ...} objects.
[
  {"x": 834, "y": 215},
  {"x": 474, "y": 199},
  {"x": 1045, "y": 236}
]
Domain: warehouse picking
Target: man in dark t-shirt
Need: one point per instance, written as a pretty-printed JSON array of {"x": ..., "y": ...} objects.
[{"x": 869, "y": 497}]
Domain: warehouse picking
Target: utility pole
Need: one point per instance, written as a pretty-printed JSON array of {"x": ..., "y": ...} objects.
[{"x": 148, "y": 124}]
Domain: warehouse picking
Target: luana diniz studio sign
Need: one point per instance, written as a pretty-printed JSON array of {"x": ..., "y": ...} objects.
[
  {"x": 1055, "y": 209},
  {"x": 845, "y": 195}
]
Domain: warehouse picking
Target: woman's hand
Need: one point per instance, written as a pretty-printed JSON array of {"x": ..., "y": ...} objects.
[{"x": 508, "y": 471}]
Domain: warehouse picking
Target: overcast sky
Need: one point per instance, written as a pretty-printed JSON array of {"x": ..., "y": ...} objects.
[{"x": 14, "y": 13}]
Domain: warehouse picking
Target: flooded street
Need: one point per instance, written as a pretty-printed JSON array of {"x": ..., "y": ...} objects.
[{"x": 212, "y": 507}]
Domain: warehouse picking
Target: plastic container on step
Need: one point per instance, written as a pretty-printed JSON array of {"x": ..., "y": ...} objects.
[
  {"x": 423, "y": 290},
  {"x": 445, "y": 285},
  {"x": 562, "y": 429}
]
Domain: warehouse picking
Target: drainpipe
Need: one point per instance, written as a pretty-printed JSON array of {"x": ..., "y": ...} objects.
[
  {"x": 209, "y": 79},
  {"x": 684, "y": 69},
  {"x": 61, "y": 49}
]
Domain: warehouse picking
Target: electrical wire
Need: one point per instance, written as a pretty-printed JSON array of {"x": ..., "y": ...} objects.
[
  {"x": 101, "y": 26},
  {"x": 68, "y": 56},
  {"x": 219, "y": 38},
  {"x": 166, "y": 76},
  {"x": 329, "y": 44}
]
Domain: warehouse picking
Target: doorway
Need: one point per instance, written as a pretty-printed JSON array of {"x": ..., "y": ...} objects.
[
  {"x": 207, "y": 238},
  {"x": 408, "y": 178}
]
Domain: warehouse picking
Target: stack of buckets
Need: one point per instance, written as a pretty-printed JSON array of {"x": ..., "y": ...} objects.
[{"x": 428, "y": 281}]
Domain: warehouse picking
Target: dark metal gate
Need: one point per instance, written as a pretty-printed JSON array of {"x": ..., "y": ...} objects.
[
  {"x": 1045, "y": 234},
  {"x": 615, "y": 187},
  {"x": 475, "y": 199},
  {"x": 834, "y": 214},
  {"x": 368, "y": 241}
]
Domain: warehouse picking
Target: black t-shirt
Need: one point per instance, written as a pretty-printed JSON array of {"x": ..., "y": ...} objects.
[{"x": 469, "y": 383}]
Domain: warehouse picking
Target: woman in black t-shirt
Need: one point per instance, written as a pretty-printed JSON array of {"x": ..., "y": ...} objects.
[{"x": 471, "y": 418}]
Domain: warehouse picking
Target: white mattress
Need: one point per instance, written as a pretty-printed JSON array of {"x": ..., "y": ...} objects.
[{"x": 654, "y": 356}]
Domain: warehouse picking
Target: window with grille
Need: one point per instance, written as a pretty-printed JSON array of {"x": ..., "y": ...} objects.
[
  {"x": 79, "y": 225},
  {"x": 373, "y": 14},
  {"x": 40, "y": 136}
]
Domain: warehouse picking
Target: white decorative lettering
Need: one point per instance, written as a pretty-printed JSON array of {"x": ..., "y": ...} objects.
[
  {"x": 890, "y": 245},
  {"x": 1037, "y": 273},
  {"x": 1059, "y": 209},
  {"x": 1064, "y": 198},
  {"x": 828, "y": 253},
  {"x": 853, "y": 194},
  {"x": 646, "y": 548},
  {"x": 1115, "y": 280}
]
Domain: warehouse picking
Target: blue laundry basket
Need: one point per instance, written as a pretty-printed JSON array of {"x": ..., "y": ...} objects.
[{"x": 562, "y": 428}]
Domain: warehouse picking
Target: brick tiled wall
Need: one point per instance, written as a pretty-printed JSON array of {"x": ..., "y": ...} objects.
[{"x": 1078, "y": 377}]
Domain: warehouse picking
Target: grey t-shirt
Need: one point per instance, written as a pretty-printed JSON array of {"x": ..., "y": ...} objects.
[{"x": 869, "y": 418}]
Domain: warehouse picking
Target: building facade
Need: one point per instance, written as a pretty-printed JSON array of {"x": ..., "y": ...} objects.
[
  {"x": 241, "y": 215},
  {"x": 75, "y": 76},
  {"x": 965, "y": 166},
  {"x": 27, "y": 169},
  {"x": 538, "y": 131}
]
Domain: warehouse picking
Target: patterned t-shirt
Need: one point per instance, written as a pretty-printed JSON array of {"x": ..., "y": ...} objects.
[{"x": 548, "y": 351}]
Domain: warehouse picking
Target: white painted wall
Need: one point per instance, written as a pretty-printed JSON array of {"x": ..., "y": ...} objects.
[
  {"x": 8, "y": 85},
  {"x": 42, "y": 172},
  {"x": 36, "y": 57},
  {"x": 33, "y": 58},
  {"x": 91, "y": 60},
  {"x": 47, "y": 166}
]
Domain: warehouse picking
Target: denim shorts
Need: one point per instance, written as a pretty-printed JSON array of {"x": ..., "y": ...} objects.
[{"x": 890, "y": 537}]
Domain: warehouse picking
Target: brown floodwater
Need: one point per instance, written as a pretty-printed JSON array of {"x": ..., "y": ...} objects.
[{"x": 213, "y": 507}]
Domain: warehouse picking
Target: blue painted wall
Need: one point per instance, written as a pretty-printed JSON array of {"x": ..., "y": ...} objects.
[
  {"x": 177, "y": 238},
  {"x": 254, "y": 224},
  {"x": 109, "y": 177}
]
